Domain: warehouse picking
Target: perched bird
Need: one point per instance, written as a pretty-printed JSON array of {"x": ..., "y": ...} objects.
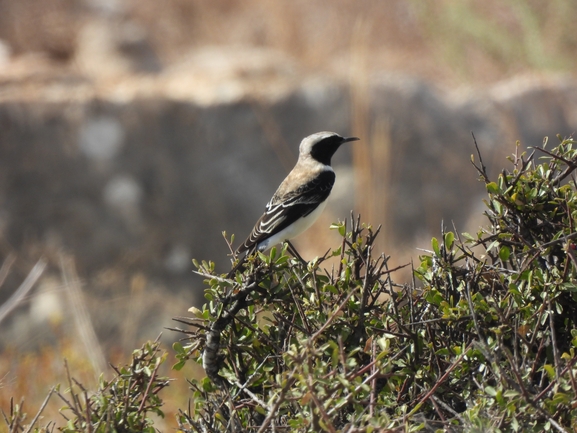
[{"x": 301, "y": 197}]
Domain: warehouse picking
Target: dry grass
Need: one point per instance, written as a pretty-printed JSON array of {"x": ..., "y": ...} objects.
[
  {"x": 29, "y": 377},
  {"x": 445, "y": 40},
  {"x": 47, "y": 334}
]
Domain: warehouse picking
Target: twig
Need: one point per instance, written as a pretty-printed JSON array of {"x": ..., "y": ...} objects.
[
  {"x": 332, "y": 316},
  {"x": 210, "y": 361},
  {"x": 554, "y": 339},
  {"x": 525, "y": 393},
  {"x": 328, "y": 424},
  {"x": 568, "y": 368},
  {"x": 373, "y": 398},
  {"x": 482, "y": 170},
  {"x": 148, "y": 387},
  {"x": 298, "y": 304},
  {"x": 42, "y": 407},
  {"x": 452, "y": 411},
  {"x": 281, "y": 398},
  {"x": 440, "y": 381}
]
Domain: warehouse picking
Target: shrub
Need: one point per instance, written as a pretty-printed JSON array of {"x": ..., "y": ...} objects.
[
  {"x": 484, "y": 339},
  {"x": 124, "y": 404}
]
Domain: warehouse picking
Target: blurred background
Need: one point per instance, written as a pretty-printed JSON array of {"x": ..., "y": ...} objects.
[{"x": 134, "y": 132}]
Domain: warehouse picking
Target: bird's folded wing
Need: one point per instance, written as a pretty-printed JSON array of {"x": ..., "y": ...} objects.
[{"x": 285, "y": 209}]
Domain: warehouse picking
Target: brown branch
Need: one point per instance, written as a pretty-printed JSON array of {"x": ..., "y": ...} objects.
[
  {"x": 210, "y": 361},
  {"x": 440, "y": 381},
  {"x": 42, "y": 407},
  {"x": 482, "y": 170}
]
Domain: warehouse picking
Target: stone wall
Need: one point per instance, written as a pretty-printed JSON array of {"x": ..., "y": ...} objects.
[
  {"x": 140, "y": 174},
  {"x": 143, "y": 176}
]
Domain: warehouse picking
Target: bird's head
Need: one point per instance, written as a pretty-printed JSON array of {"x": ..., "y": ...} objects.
[{"x": 322, "y": 146}]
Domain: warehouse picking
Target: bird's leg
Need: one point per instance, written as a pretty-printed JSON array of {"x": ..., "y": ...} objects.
[{"x": 295, "y": 253}]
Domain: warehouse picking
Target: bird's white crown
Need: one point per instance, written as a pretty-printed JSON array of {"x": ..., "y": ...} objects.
[{"x": 309, "y": 142}]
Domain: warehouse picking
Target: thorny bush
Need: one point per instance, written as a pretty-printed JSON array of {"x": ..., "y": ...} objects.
[
  {"x": 484, "y": 339},
  {"x": 127, "y": 403}
]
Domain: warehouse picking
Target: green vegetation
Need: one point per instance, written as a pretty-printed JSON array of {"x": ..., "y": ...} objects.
[
  {"x": 486, "y": 342},
  {"x": 510, "y": 35},
  {"x": 483, "y": 339}
]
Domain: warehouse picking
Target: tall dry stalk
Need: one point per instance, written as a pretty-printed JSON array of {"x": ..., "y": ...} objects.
[
  {"x": 381, "y": 179},
  {"x": 371, "y": 156},
  {"x": 24, "y": 288},
  {"x": 81, "y": 315}
]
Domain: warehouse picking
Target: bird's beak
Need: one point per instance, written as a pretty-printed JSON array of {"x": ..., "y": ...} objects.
[{"x": 347, "y": 139}]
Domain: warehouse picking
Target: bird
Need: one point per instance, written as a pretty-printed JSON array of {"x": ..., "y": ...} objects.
[{"x": 301, "y": 197}]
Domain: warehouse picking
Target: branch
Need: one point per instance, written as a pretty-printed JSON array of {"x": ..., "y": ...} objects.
[{"x": 482, "y": 170}]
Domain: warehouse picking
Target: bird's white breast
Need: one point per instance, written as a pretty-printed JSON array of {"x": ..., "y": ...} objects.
[{"x": 295, "y": 229}]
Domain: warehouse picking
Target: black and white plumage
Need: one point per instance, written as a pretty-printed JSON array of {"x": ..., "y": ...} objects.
[{"x": 301, "y": 197}]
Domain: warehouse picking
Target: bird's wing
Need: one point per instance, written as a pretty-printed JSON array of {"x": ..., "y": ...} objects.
[{"x": 285, "y": 209}]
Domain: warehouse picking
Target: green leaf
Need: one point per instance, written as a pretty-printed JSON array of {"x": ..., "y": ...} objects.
[
  {"x": 561, "y": 398},
  {"x": 443, "y": 352},
  {"x": 435, "y": 244},
  {"x": 504, "y": 253},
  {"x": 490, "y": 391},
  {"x": 282, "y": 260},
  {"x": 492, "y": 188},
  {"x": 178, "y": 366},
  {"x": 265, "y": 258},
  {"x": 449, "y": 240},
  {"x": 550, "y": 371},
  {"x": 330, "y": 288},
  {"x": 340, "y": 227},
  {"x": 499, "y": 398},
  {"x": 434, "y": 297}
]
